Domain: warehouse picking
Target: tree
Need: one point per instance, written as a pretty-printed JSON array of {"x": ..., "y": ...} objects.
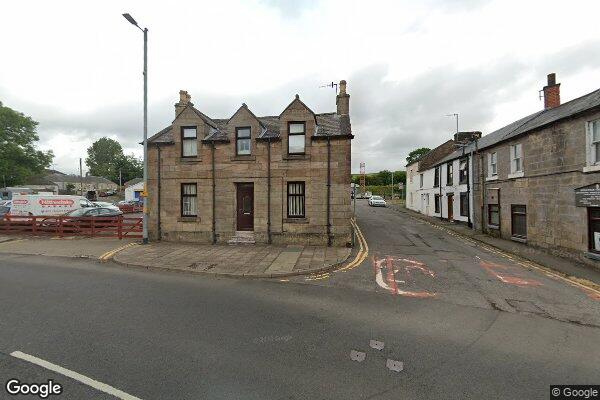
[
  {"x": 131, "y": 167},
  {"x": 19, "y": 158},
  {"x": 416, "y": 154},
  {"x": 106, "y": 159},
  {"x": 103, "y": 159},
  {"x": 70, "y": 188}
]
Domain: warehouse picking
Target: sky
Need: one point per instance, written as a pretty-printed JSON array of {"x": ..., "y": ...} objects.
[{"x": 76, "y": 67}]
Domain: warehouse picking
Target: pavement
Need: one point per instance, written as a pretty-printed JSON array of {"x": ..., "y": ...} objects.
[
  {"x": 256, "y": 261},
  {"x": 250, "y": 261},
  {"x": 425, "y": 315}
]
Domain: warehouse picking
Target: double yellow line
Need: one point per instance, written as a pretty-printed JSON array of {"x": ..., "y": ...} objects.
[
  {"x": 109, "y": 254},
  {"x": 363, "y": 251}
]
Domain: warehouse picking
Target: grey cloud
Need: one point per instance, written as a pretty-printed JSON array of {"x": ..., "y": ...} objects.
[{"x": 392, "y": 118}]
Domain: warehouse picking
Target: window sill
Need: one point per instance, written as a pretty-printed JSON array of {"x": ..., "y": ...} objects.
[
  {"x": 518, "y": 239},
  {"x": 591, "y": 168},
  {"x": 188, "y": 219},
  {"x": 496, "y": 227},
  {"x": 243, "y": 158},
  {"x": 295, "y": 220},
  {"x": 491, "y": 178},
  {"x": 191, "y": 159},
  {"x": 519, "y": 174},
  {"x": 295, "y": 157}
]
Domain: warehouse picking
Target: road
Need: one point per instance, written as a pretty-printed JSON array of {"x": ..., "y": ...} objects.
[{"x": 466, "y": 322}]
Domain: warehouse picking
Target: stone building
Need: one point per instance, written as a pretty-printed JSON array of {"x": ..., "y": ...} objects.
[
  {"x": 271, "y": 179},
  {"x": 536, "y": 180},
  {"x": 539, "y": 176}
]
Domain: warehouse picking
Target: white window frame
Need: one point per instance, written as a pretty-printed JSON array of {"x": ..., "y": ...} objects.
[
  {"x": 492, "y": 164},
  {"x": 593, "y": 144},
  {"x": 516, "y": 154}
]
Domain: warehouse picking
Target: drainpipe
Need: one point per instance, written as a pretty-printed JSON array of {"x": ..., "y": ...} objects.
[
  {"x": 212, "y": 156},
  {"x": 328, "y": 191},
  {"x": 469, "y": 189},
  {"x": 441, "y": 197},
  {"x": 158, "y": 198},
  {"x": 269, "y": 190},
  {"x": 482, "y": 194}
]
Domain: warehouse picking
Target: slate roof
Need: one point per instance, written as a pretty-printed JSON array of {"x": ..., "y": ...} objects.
[
  {"x": 133, "y": 182},
  {"x": 76, "y": 179},
  {"x": 530, "y": 123},
  {"x": 328, "y": 124}
]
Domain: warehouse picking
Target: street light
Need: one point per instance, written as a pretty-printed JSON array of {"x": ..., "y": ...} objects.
[{"x": 145, "y": 216}]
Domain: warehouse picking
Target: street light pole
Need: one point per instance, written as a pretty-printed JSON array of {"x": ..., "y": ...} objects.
[{"x": 145, "y": 215}]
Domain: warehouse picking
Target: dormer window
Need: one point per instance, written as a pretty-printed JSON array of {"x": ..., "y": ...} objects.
[
  {"x": 189, "y": 141},
  {"x": 243, "y": 141},
  {"x": 296, "y": 137}
]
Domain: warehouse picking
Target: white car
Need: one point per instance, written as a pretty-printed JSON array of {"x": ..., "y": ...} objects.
[
  {"x": 377, "y": 201},
  {"x": 105, "y": 204}
]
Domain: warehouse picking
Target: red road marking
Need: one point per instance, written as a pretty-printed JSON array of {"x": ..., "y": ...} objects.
[
  {"x": 392, "y": 284},
  {"x": 390, "y": 275},
  {"x": 513, "y": 280}
]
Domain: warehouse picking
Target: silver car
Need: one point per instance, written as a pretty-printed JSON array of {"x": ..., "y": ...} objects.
[{"x": 377, "y": 201}]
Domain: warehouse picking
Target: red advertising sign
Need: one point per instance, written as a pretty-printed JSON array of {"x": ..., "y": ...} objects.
[
  {"x": 56, "y": 202},
  {"x": 20, "y": 201}
]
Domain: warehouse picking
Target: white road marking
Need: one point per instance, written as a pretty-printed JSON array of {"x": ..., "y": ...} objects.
[
  {"x": 376, "y": 344},
  {"x": 103, "y": 387},
  {"x": 357, "y": 355},
  {"x": 393, "y": 365}
]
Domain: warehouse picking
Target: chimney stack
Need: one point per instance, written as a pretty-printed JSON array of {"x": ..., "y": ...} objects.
[
  {"x": 343, "y": 100},
  {"x": 184, "y": 100},
  {"x": 551, "y": 92}
]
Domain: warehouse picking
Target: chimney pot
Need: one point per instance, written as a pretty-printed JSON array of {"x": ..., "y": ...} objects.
[
  {"x": 184, "y": 100},
  {"x": 343, "y": 100},
  {"x": 551, "y": 92}
]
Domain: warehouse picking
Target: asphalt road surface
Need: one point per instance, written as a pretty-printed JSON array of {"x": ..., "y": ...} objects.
[{"x": 465, "y": 322}]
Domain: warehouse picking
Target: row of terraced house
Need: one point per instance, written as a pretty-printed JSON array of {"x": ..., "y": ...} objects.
[{"x": 535, "y": 181}]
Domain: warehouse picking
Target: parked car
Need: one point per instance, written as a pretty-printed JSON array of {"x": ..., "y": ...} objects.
[
  {"x": 368, "y": 195},
  {"x": 111, "y": 192},
  {"x": 106, "y": 204},
  {"x": 91, "y": 195},
  {"x": 377, "y": 201},
  {"x": 130, "y": 206},
  {"x": 94, "y": 212}
]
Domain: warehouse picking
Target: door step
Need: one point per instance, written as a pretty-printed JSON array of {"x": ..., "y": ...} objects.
[{"x": 242, "y": 238}]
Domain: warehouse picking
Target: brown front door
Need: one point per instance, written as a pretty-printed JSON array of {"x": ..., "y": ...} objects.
[
  {"x": 451, "y": 207},
  {"x": 245, "y": 206}
]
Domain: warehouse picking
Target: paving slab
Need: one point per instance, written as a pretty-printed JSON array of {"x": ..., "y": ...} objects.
[{"x": 258, "y": 261}]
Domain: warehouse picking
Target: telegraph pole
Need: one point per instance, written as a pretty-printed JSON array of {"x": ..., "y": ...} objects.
[{"x": 80, "y": 178}]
